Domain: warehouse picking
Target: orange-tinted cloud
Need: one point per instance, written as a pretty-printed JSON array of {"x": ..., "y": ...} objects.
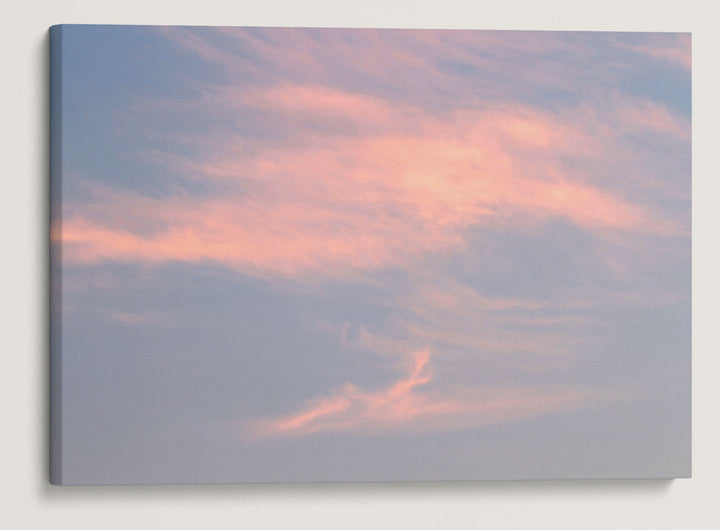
[{"x": 405, "y": 406}]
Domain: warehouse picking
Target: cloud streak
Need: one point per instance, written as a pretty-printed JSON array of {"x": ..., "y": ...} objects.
[{"x": 406, "y": 406}]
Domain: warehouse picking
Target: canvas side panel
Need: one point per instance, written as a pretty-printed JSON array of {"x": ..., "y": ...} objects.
[{"x": 55, "y": 317}]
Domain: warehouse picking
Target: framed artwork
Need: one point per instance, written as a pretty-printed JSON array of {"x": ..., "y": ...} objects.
[{"x": 332, "y": 255}]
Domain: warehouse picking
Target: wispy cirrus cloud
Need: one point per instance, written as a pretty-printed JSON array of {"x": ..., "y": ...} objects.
[
  {"x": 406, "y": 405},
  {"x": 400, "y": 183},
  {"x": 673, "y": 48}
]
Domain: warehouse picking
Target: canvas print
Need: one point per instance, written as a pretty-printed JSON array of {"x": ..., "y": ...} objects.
[{"x": 331, "y": 255}]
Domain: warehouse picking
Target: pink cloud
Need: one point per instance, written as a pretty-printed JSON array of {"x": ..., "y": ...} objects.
[
  {"x": 317, "y": 101},
  {"x": 351, "y": 407},
  {"x": 291, "y": 53},
  {"x": 405, "y": 406},
  {"x": 641, "y": 115},
  {"x": 453, "y": 297},
  {"x": 416, "y": 57},
  {"x": 377, "y": 198}
]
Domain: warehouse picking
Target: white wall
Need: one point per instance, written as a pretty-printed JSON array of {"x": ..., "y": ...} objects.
[{"x": 28, "y": 502}]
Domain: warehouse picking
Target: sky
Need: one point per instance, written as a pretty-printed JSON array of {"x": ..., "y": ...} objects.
[{"x": 300, "y": 255}]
